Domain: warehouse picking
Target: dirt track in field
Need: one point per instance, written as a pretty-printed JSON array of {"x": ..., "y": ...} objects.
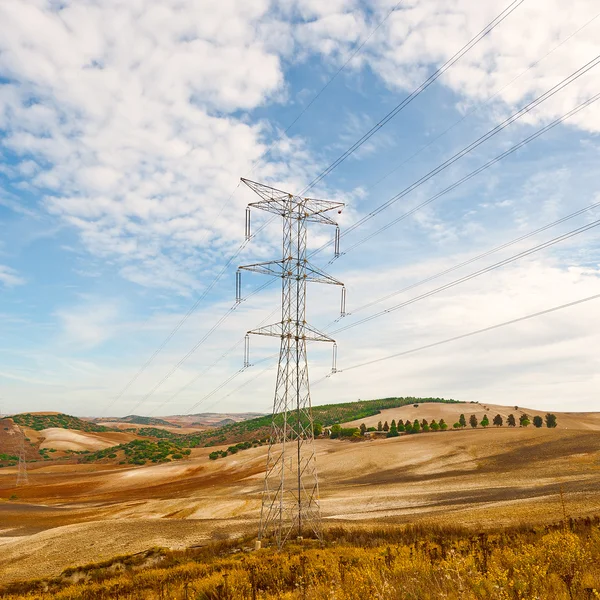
[{"x": 75, "y": 514}]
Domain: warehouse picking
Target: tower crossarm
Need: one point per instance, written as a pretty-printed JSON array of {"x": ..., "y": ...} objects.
[
  {"x": 281, "y": 268},
  {"x": 281, "y": 330},
  {"x": 317, "y": 275},
  {"x": 287, "y": 205},
  {"x": 271, "y": 267}
]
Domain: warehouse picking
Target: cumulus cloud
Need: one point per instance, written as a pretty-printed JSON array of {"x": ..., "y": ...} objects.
[
  {"x": 124, "y": 114},
  {"x": 419, "y": 35}
]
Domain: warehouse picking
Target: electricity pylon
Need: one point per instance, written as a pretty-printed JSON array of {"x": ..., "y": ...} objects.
[
  {"x": 22, "y": 477},
  {"x": 290, "y": 501}
]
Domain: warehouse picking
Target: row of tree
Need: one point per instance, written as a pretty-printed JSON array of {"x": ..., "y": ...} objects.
[{"x": 417, "y": 426}]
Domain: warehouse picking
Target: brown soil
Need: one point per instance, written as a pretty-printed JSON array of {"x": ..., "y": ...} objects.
[{"x": 72, "y": 514}]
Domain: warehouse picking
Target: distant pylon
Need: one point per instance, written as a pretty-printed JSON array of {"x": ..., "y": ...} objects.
[
  {"x": 22, "y": 477},
  {"x": 290, "y": 502}
]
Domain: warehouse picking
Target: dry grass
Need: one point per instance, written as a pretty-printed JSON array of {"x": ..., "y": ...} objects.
[{"x": 418, "y": 563}]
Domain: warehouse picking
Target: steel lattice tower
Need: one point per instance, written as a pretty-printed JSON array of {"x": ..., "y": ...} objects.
[
  {"x": 22, "y": 477},
  {"x": 290, "y": 502}
]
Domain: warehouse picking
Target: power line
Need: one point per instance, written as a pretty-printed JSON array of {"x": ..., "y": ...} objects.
[
  {"x": 484, "y": 32},
  {"x": 320, "y": 92},
  {"x": 463, "y": 336},
  {"x": 229, "y": 379},
  {"x": 477, "y": 171},
  {"x": 477, "y": 107},
  {"x": 399, "y": 107},
  {"x": 195, "y": 347},
  {"x": 466, "y": 278},
  {"x": 478, "y": 257},
  {"x": 149, "y": 361},
  {"x": 467, "y": 149},
  {"x": 197, "y": 377},
  {"x": 466, "y": 178},
  {"x": 431, "y": 278},
  {"x": 473, "y": 174},
  {"x": 507, "y": 122},
  {"x": 251, "y": 380},
  {"x": 214, "y": 364},
  {"x": 187, "y": 315}
]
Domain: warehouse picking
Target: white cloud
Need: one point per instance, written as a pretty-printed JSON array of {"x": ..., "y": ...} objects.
[
  {"x": 90, "y": 323},
  {"x": 544, "y": 362},
  {"x": 420, "y": 34},
  {"x": 126, "y": 108},
  {"x": 9, "y": 277}
]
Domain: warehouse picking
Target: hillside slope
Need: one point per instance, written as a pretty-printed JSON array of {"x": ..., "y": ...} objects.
[
  {"x": 451, "y": 412},
  {"x": 46, "y": 420}
]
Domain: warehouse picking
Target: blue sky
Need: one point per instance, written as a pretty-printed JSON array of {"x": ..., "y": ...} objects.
[{"x": 124, "y": 130}]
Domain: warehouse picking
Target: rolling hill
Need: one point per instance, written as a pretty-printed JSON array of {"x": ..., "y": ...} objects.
[{"x": 474, "y": 478}]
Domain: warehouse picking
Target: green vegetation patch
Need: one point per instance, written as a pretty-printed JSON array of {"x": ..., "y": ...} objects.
[
  {"x": 39, "y": 422},
  {"x": 139, "y": 420},
  {"x": 139, "y": 452}
]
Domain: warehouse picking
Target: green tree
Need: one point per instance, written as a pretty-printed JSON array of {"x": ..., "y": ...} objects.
[
  {"x": 425, "y": 427},
  {"x": 317, "y": 428},
  {"x": 473, "y": 421},
  {"x": 393, "y": 423},
  {"x": 423, "y": 423},
  {"x": 336, "y": 431},
  {"x": 393, "y": 432},
  {"x": 443, "y": 425},
  {"x": 457, "y": 425},
  {"x": 363, "y": 428},
  {"x": 380, "y": 426},
  {"x": 408, "y": 428},
  {"x": 524, "y": 420},
  {"x": 485, "y": 421},
  {"x": 434, "y": 426},
  {"x": 386, "y": 427},
  {"x": 416, "y": 426},
  {"x": 498, "y": 421},
  {"x": 550, "y": 420},
  {"x": 462, "y": 421},
  {"x": 401, "y": 426},
  {"x": 510, "y": 420},
  {"x": 538, "y": 421}
]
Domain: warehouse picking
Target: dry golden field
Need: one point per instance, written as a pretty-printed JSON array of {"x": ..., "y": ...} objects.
[{"x": 73, "y": 514}]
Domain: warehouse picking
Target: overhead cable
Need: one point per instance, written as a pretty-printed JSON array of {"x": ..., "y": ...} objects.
[
  {"x": 467, "y": 149},
  {"x": 466, "y": 278},
  {"x": 464, "y": 335},
  {"x": 431, "y": 79}
]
